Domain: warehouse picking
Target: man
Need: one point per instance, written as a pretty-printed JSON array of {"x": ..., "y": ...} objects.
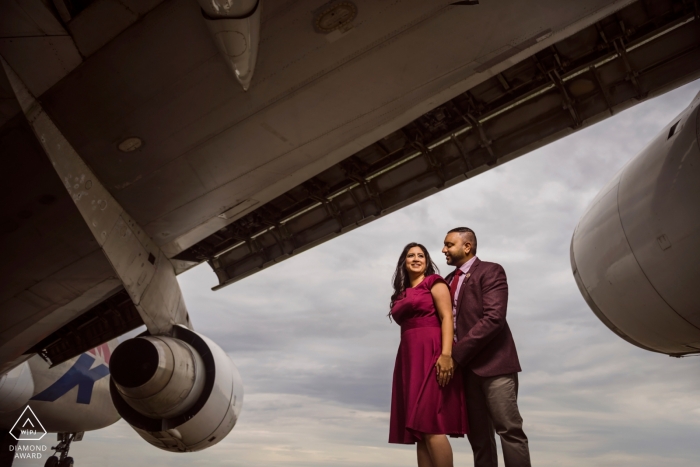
[{"x": 485, "y": 351}]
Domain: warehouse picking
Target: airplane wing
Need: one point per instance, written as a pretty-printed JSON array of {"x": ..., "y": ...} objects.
[{"x": 344, "y": 121}]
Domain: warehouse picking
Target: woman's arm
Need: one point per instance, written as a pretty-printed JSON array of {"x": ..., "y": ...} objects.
[{"x": 443, "y": 305}]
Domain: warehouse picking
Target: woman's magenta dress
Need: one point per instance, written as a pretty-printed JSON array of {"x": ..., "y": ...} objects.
[{"x": 418, "y": 403}]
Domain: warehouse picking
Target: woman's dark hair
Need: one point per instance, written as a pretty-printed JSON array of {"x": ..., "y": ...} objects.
[{"x": 401, "y": 280}]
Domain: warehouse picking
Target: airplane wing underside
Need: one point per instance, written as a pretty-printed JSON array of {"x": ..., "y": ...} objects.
[
  {"x": 578, "y": 81},
  {"x": 337, "y": 129}
]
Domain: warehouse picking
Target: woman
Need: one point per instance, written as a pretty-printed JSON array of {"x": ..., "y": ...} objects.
[{"x": 427, "y": 402}]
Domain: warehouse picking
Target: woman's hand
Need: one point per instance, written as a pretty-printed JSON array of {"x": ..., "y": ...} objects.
[
  {"x": 445, "y": 369},
  {"x": 443, "y": 304}
]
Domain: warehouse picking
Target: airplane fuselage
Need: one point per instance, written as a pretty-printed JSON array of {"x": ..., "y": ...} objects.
[{"x": 71, "y": 397}]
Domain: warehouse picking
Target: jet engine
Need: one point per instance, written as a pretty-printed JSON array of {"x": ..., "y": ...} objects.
[
  {"x": 16, "y": 388},
  {"x": 635, "y": 253},
  {"x": 180, "y": 393}
]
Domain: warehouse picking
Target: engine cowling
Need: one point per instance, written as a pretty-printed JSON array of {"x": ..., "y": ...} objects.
[
  {"x": 635, "y": 253},
  {"x": 180, "y": 393},
  {"x": 16, "y": 388}
]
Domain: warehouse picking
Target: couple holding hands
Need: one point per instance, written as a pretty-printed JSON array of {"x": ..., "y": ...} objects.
[{"x": 456, "y": 370}]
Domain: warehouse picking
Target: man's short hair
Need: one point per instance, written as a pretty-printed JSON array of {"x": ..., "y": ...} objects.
[{"x": 467, "y": 235}]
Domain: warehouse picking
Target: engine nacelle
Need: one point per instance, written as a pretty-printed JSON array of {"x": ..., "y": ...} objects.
[
  {"x": 635, "y": 253},
  {"x": 16, "y": 388},
  {"x": 181, "y": 393}
]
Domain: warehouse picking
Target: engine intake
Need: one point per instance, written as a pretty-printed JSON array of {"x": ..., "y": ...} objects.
[
  {"x": 180, "y": 393},
  {"x": 167, "y": 380}
]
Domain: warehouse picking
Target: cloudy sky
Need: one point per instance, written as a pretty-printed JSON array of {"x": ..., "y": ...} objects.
[{"x": 316, "y": 351}]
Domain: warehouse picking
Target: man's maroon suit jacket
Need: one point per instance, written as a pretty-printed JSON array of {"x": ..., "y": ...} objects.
[{"x": 484, "y": 341}]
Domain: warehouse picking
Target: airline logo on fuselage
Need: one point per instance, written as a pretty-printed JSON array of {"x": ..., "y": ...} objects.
[{"x": 81, "y": 374}]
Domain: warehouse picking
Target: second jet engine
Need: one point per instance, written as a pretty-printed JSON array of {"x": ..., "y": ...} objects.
[{"x": 635, "y": 253}]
